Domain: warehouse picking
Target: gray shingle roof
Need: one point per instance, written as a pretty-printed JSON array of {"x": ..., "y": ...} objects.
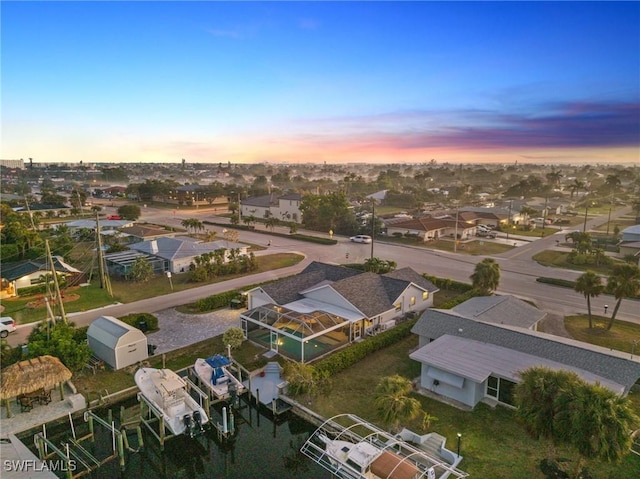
[
  {"x": 506, "y": 309},
  {"x": 288, "y": 290},
  {"x": 371, "y": 293},
  {"x": 600, "y": 361},
  {"x": 409, "y": 275}
]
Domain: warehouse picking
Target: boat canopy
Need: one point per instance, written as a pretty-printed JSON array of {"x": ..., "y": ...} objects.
[{"x": 218, "y": 361}]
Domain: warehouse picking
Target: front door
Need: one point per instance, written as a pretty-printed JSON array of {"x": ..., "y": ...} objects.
[{"x": 357, "y": 330}]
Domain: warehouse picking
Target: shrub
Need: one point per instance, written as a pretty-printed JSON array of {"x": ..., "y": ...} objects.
[
  {"x": 233, "y": 337},
  {"x": 135, "y": 319},
  {"x": 216, "y": 301},
  {"x": 446, "y": 283},
  {"x": 353, "y": 353},
  {"x": 460, "y": 299}
]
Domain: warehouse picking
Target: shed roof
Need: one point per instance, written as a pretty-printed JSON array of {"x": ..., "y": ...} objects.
[{"x": 112, "y": 332}]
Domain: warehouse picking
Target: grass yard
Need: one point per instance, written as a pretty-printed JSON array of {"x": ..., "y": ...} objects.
[
  {"x": 493, "y": 442},
  {"x": 620, "y": 337},
  {"x": 473, "y": 247},
  {"x": 91, "y": 297},
  {"x": 90, "y": 385},
  {"x": 558, "y": 259}
]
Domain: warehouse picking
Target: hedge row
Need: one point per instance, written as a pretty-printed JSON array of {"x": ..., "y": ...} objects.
[
  {"x": 350, "y": 355},
  {"x": 449, "y": 284},
  {"x": 460, "y": 299},
  {"x": 134, "y": 319},
  {"x": 40, "y": 288},
  {"x": 565, "y": 283},
  {"x": 301, "y": 237},
  {"x": 216, "y": 301}
]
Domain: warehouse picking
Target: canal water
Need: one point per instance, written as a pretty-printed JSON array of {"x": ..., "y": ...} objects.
[{"x": 262, "y": 448}]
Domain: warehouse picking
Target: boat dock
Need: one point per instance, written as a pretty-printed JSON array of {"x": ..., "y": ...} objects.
[{"x": 267, "y": 387}]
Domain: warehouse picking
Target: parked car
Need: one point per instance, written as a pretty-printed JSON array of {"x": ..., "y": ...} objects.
[
  {"x": 360, "y": 239},
  {"x": 482, "y": 228},
  {"x": 7, "y": 325},
  {"x": 487, "y": 234}
]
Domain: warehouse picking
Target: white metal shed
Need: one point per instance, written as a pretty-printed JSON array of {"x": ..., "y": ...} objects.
[{"x": 117, "y": 343}]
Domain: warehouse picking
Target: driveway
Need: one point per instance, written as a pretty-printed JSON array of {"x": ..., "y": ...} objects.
[{"x": 178, "y": 330}]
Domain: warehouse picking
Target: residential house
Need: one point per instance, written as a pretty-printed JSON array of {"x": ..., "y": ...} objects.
[
  {"x": 284, "y": 207},
  {"x": 470, "y": 361},
  {"x": 178, "y": 253},
  {"x": 630, "y": 241},
  {"x": 193, "y": 195},
  {"x": 137, "y": 233},
  {"x": 327, "y": 306},
  {"x": 430, "y": 228},
  {"x": 23, "y": 274},
  {"x": 501, "y": 309}
]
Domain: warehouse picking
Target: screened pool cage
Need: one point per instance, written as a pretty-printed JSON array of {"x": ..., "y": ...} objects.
[{"x": 295, "y": 335}]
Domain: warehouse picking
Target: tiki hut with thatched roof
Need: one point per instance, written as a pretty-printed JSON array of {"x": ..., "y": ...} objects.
[{"x": 25, "y": 377}]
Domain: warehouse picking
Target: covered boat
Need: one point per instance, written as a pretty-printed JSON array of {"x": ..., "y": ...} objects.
[{"x": 213, "y": 372}]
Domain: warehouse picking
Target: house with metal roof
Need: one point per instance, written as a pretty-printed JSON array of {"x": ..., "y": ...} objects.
[
  {"x": 328, "y": 306},
  {"x": 630, "y": 241},
  {"x": 23, "y": 274},
  {"x": 178, "y": 253},
  {"x": 471, "y": 361}
]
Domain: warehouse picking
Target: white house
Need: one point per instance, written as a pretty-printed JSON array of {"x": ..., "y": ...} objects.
[
  {"x": 470, "y": 361},
  {"x": 178, "y": 253},
  {"x": 284, "y": 207},
  {"x": 328, "y": 306}
]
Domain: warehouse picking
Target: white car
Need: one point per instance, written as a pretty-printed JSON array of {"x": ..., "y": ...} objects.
[
  {"x": 7, "y": 325},
  {"x": 360, "y": 239}
]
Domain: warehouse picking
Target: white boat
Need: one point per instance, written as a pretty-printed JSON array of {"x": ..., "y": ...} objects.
[
  {"x": 167, "y": 392},
  {"x": 365, "y": 460},
  {"x": 214, "y": 374}
]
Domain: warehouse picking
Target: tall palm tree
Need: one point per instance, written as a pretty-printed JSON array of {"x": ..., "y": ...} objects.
[
  {"x": 590, "y": 285},
  {"x": 624, "y": 282},
  {"x": 486, "y": 276},
  {"x": 392, "y": 401}
]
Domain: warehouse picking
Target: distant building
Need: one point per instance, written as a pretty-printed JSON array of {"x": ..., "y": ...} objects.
[{"x": 284, "y": 207}]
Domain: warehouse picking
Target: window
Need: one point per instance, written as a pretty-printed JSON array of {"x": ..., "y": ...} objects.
[
  {"x": 413, "y": 300},
  {"x": 425, "y": 295},
  {"x": 500, "y": 389}
]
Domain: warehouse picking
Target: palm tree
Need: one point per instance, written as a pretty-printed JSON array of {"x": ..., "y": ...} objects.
[
  {"x": 392, "y": 401},
  {"x": 590, "y": 285},
  {"x": 624, "y": 282},
  {"x": 486, "y": 276},
  {"x": 576, "y": 186}
]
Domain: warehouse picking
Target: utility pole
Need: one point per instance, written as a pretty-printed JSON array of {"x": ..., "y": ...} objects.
[
  {"x": 56, "y": 285},
  {"x": 509, "y": 219},
  {"x": 609, "y": 217},
  {"x": 373, "y": 224},
  {"x": 455, "y": 239},
  {"x": 544, "y": 216},
  {"x": 105, "y": 282}
]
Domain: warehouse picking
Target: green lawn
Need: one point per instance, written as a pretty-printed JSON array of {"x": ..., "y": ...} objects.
[
  {"x": 91, "y": 297},
  {"x": 558, "y": 259},
  {"x": 494, "y": 444},
  {"x": 620, "y": 337},
  {"x": 474, "y": 247}
]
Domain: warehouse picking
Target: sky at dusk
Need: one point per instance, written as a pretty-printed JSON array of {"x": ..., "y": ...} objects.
[{"x": 335, "y": 82}]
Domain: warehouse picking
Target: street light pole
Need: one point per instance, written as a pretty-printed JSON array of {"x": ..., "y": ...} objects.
[
  {"x": 455, "y": 239},
  {"x": 586, "y": 211}
]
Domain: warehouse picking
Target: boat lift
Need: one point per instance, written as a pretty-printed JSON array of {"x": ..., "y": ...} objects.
[
  {"x": 351, "y": 428},
  {"x": 73, "y": 453}
]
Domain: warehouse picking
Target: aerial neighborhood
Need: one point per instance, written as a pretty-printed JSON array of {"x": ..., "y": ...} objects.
[{"x": 420, "y": 301}]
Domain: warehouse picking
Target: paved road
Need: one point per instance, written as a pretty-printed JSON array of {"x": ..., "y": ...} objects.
[{"x": 518, "y": 271}]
